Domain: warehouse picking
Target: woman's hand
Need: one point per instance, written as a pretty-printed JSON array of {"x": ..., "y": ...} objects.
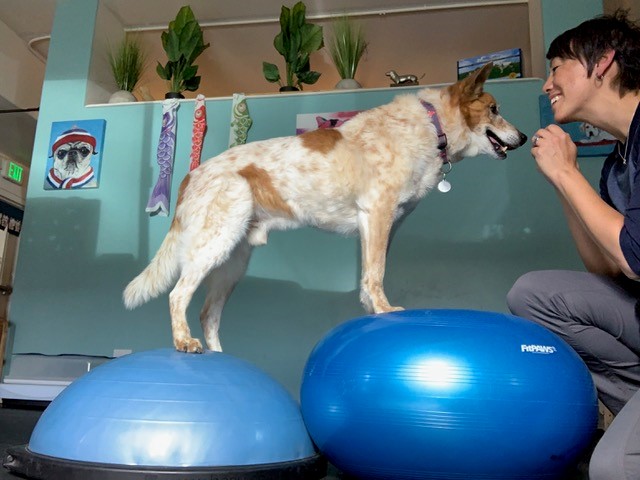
[
  {"x": 594, "y": 224},
  {"x": 554, "y": 152}
]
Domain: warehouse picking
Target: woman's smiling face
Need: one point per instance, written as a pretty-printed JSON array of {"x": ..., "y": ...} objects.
[{"x": 568, "y": 88}]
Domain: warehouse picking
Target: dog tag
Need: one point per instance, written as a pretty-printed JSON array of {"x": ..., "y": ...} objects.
[{"x": 444, "y": 186}]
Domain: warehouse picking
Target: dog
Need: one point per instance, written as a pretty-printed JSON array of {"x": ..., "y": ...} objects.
[
  {"x": 72, "y": 152},
  {"x": 594, "y": 135},
  {"x": 361, "y": 177}
]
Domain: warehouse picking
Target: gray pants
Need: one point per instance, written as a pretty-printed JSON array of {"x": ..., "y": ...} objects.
[{"x": 597, "y": 317}]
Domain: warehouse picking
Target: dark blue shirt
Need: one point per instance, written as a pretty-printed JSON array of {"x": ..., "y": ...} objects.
[{"x": 620, "y": 188}]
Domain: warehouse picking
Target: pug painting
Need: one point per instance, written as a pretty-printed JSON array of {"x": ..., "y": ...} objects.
[{"x": 74, "y": 161}]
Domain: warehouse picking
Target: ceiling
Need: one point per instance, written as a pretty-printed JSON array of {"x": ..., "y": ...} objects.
[{"x": 156, "y": 14}]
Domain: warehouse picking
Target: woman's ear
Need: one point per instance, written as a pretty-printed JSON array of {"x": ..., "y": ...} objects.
[{"x": 604, "y": 63}]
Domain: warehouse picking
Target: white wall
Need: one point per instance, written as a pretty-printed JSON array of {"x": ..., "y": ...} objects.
[
  {"x": 21, "y": 78},
  {"x": 421, "y": 43},
  {"x": 632, "y": 5},
  {"x": 22, "y": 74},
  {"x": 109, "y": 32}
]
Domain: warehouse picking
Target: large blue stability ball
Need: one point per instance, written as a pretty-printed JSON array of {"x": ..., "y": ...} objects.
[
  {"x": 171, "y": 409},
  {"x": 448, "y": 394}
]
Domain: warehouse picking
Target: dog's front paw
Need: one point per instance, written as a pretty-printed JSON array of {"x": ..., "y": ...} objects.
[
  {"x": 188, "y": 345},
  {"x": 395, "y": 309},
  {"x": 388, "y": 308}
]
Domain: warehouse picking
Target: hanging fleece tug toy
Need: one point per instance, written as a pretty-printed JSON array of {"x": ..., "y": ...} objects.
[
  {"x": 241, "y": 121},
  {"x": 161, "y": 196},
  {"x": 199, "y": 128}
]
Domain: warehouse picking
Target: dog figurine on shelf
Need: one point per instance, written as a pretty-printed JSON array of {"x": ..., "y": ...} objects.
[
  {"x": 361, "y": 177},
  {"x": 402, "y": 80}
]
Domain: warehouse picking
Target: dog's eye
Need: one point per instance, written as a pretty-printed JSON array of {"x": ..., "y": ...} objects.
[
  {"x": 84, "y": 151},
  {"x": 494, "y": 109},
  {"x": 61, "y": 154}
]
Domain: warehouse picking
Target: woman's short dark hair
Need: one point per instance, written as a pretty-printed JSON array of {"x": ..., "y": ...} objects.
[{"x": 591, "y": 40}]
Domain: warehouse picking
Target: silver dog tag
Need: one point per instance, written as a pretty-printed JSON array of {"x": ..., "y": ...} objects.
[{"x": 444, "y": 186}]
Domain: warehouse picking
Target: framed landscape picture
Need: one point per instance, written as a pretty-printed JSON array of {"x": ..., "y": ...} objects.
[{"x": 506, "y": 64}]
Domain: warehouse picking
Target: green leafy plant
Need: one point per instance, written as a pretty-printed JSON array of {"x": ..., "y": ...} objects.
[
  {"x": 183, "y": 42},
  {"x": 127, "y": 61},
  {"x": 295, "y": 42},
  {"x": 347, "y": 45}
]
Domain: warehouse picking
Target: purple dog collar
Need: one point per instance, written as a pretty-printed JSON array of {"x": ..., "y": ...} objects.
[{"x": 442, "y": 137}]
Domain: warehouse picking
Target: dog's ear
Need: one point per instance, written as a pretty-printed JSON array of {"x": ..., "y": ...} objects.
[
  {"x": 475, "y": 81},
  {"x": 471, "y": 86},
  {"x": 482, "y": 74}
]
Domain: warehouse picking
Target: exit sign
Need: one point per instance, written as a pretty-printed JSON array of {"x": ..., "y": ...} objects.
[{"x": 14, "y": 172}]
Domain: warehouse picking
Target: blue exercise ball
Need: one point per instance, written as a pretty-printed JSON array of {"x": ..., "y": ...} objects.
[
  {"x": 171, "y": 409},
  {"x": 447, "y": 394}
]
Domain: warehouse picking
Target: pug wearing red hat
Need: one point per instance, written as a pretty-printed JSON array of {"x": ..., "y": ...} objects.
[{"x": 72, "y": 152}]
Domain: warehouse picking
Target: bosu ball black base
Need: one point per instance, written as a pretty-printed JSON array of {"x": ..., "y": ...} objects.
[{"x": 20, "y": 460}]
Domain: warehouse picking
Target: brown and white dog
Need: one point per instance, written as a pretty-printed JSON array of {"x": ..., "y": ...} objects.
[{"x": 358, "y": 178}]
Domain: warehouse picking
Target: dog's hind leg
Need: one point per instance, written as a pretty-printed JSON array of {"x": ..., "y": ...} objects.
[
  {"x": 215, "y": 230},
  {"x": 375, "y": 227},
  {"x": 220, "y": 283}
]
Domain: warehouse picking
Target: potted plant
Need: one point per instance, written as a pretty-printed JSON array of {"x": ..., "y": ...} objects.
[
  {"x": 127, "y": 61},
  {"x": 183, "y": 42},
  {"x": 347, "y": 45},
  {"x": 295, "y": 42}
]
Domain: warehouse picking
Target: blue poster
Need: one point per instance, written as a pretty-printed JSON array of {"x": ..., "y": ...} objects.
[
  {"x": 590, "y": 140},
  {"x": 75, "y": 155}
]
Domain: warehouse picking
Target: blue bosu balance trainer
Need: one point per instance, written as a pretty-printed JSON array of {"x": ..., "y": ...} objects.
[
  {"x": 165, "y": 414},
  {"x": 448, "y": 395}
]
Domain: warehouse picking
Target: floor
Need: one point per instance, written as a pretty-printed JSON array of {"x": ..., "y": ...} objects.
[{"x": 16, "y": 425}]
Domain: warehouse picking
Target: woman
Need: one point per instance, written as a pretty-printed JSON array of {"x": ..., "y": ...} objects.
[{"x": 595, "y": 78}]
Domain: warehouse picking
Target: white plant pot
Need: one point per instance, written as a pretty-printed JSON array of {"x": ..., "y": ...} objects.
[
  {"x": 122, "y": 96},
  {"x": 348, "y": 84}
]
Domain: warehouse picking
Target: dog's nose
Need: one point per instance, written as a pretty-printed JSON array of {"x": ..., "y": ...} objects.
[{"x": 523, "y": 139}]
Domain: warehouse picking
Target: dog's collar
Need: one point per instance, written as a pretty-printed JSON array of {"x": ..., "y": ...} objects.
[
  {"x": 444, "y": 186},
  {"x": 442, "y": 137}
]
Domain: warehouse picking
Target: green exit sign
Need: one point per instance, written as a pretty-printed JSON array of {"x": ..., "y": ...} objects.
[{"x": 14, "y": 172}]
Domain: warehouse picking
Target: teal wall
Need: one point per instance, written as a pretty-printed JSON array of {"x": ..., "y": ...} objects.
[
  {"x": 79, "y": 249},
  {"x": 558, "y": 16}
]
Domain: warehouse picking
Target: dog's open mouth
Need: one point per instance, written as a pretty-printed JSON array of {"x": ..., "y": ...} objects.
[{"x": 499, "y": 147}]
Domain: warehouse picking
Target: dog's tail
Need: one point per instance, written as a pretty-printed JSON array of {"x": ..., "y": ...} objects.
[{"x": 156, "y": 278}]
